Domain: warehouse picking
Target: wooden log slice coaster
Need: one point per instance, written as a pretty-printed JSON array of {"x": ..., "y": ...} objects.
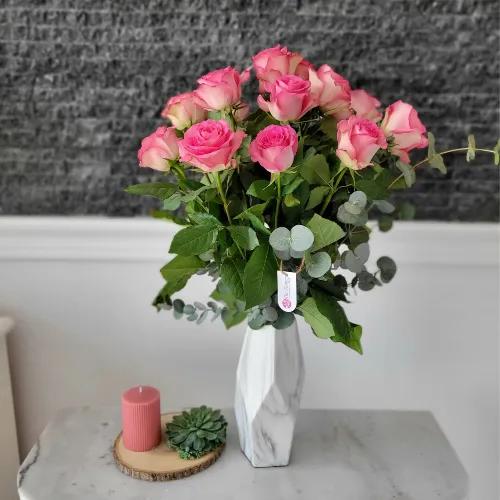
[{"x": 161, "y": 463}]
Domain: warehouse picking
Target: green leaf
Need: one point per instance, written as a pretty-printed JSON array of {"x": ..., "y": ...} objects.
[
  {"x": 387, "y": 268},
  {"x": 316, "y": 196},
  {"x": 329, "y": 127},
  {"x": 231, "y": 318},
  {"x": 205, "y": 219},
  {"x": 254, "y": 215},
  {"x": 162, "y": 299},
  {"x": 372, "y": 189},
  {"x": 178, "y": 271},
  {"x": 260, "y": 276},
  {"x": 431, "y": 148},
  {"x": 320, "y": 324},
  {"x": 385, "y": 223},
  {"x": 408, "y": 173},
  {"x": 280, "y": 239},
  {"x": 315, "y": 170},
  {"x": 333, "y": 311},
  {"x": 384, "y": 206},
  {"x": 173, "y": 202},
  {"x": 436, "y": 161},
  {"x": 231, "y": 272},
  {"x": 496, "y": 153},
  {"x": 353, "y": 340},
  {"x": 290, "y": 201},
  {"x": 471, "y": 148},
  {"x": 325, "y": 232},
  {"x": 292, "y": 186},
  {"x": 194, "y": 240},
  {"x": 161, "y": 190},
  {"x": 244, "y": 236},
  {"x": 301, "y": 238},
  {"x": 318, "y": 264},
  {"x": 262, "y": 189},
  {"x": 406, "y": 211}
]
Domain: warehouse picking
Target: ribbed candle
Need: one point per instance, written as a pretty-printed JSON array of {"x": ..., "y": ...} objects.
[{"x": 141, "y": 418}]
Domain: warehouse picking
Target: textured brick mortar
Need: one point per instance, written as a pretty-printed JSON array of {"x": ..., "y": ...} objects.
[{"x": 81, "y": 81}]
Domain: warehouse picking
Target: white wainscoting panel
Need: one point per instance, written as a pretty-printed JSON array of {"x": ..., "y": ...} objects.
[{"x": 80, "y": 289}]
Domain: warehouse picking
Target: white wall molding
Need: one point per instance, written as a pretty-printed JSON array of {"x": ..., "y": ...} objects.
[{"x": 142, "y": 239}]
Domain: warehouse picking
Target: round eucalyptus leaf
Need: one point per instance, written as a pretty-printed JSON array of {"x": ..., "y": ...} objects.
[
  {"x": 192, "y": 317},
  {"x": 283, "y": 255},
  {"x": 257, "y": 322},
  {"x": 285, "y": 319},
  {"x": 270, "y": 314},
  {"x": 178, "y": 305},
  {"x": 296, "y": 255},
  {"x": 361, "y": 219},
  {"x": 385, "y": 223},
  {"x": 188, "y": 309},
  {"x": 352, "y": 208},
  {"x": 202, "y": 317},
  {"x": 212, "y": 305},
  {"x": 280, "y": 239},
  {"x": 301, "y": 238},
  {"x": 319, "y": 264},
  {"x": 344, "y": 216},
  {"x": 201, "y": 306},
  {"x": 362, "y": 252},
  {"x": 384, "y": 206},
  {"x": 177, "y": 314},
  {"x": 366, "y": 281},
  {"x": 358, "y": 198},
  {"x": 352, "y": 262},
  {"x": 387, "y": 268}
]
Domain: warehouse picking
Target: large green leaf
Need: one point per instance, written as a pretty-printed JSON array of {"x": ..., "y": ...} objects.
[
  {"x": 316, "y": 196},
  {"x": 260, "y": 276},
  {"x": 194, "y": 240},
  {"x": 320, "y": 324},
  {"x": 262, "y": 189},
  {"x": 244, "y": 236},
  {"x": 330, "y": 308},
  {"x": 231, "y": 272},
  {"x": 354, "y": 338},
  {"x": 315, "y": 170},
  {"x": 325, "y": 232},
  {"x": 254, "y": 215},
  {"x": 373, "y": 189},
  {"x": 178, "y": 271},
  {"x": 161, "y": 190}
]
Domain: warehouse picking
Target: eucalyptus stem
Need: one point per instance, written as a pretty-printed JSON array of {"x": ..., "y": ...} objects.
[
  {"x": 328, "y": 199},
  {"x": 278, "y": 200},
  {"x": 425, "y": 160}
]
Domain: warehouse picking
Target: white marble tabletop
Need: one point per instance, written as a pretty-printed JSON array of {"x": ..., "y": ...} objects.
[{"x": 337, "y": 454}]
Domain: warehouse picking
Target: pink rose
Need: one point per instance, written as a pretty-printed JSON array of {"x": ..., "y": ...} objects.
[
  {"x": 331, "y": 90},
  {"x": 270, "y": 64},
  {"x": 159, "y": 149},
  {"x": 274, "y": 147},
  {"x": 183, "y": 111},
  {"x": 220, "y": 89},
  {"x": 401, "y": 122},
  {"x": 365, "y": 105},
  {"x": 210, "y": 145},
  {"x": 290, "y": 98},
  {"x": 358, "y": 141}
]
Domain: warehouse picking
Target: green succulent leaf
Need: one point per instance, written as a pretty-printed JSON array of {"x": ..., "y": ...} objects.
[{"x": 325, "y": 232}]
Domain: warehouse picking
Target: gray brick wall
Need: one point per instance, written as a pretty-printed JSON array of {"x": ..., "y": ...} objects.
[{"x": 81, "y": 81}]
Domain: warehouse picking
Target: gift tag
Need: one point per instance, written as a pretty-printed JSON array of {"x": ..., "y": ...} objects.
[{"x": 287, "y": 291}]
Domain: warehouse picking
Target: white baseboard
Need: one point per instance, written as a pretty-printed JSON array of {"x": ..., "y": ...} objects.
[{"x": 144, "y": 239}]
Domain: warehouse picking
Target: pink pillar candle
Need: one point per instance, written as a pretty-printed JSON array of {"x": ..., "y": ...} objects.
[{"x": 141, "y": 418}]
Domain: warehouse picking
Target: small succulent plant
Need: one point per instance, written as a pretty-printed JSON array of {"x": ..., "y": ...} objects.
[{"x": 196, "y": 432}]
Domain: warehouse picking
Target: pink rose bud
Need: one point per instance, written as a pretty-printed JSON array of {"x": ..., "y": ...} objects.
[
  {"x": 210, "y": 145},
  {"x": 290, "y": 98},
  {"x": 365, "y": 105},
  {"x": 159, "y": 149},
  {"x": 220, "y": 89},
  {"x": 401, "y": 122},
  {"x": 358, "y": 141},
  {"x": 270, "y": 64},
  {"x": 274, "y": 147},
  {"x": 332, "y": 91},
  {"x": 183, "y": 111}
]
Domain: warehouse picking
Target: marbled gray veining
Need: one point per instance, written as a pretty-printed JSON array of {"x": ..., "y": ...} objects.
[
  {"x": 337, "y": 455},
  {"x": 269, "y": 382}
]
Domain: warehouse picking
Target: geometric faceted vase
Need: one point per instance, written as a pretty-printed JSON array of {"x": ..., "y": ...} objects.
[{"x": 269, "y": 382}]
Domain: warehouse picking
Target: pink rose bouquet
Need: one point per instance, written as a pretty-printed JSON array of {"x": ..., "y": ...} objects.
[{"x": 289, "y": 183}]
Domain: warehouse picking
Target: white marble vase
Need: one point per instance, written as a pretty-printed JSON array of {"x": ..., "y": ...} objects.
[{"x": 269, "y": 382}]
